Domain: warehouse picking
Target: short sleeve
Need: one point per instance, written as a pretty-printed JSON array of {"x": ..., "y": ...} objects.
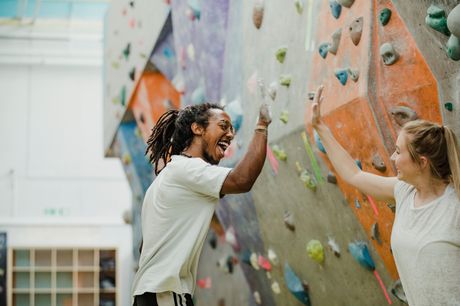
[
  {"x": 203, "y": 177},
  {"x": 401, "y": 191}
]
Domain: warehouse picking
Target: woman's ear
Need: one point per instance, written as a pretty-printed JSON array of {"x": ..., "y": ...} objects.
[
  {"x": 197, "y": 129},
  {"x": 423, "y": 162}
]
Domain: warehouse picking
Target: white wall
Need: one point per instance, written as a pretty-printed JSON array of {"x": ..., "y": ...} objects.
[{"x": 56, "y": 187}]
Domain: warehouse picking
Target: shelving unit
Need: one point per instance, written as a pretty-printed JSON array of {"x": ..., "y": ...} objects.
[{"x": 62, "y": 277}]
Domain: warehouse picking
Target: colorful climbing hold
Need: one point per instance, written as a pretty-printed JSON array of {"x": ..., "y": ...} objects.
[
  {"x": 356, "y": 30},
  {"x": 194, "y": 8},
  {"x": 126, "y": 51},
  {"x": 437, "y": 20},
  {"x": 299, "y": 4},
  {"x": 123, "y": 95},
  {"x": 281, "y": 54},
  {"x": 204, "y": 283},
  {"x": 191, "y": 52},
  {"x": 235, "y": 110},
  {"x": 398, "y": 291},
  {"x": 315, "y": 251},
  {"x": 258, "y": 13},
  {"x": 264, "y": 263},
  {"x": 132, "y": 74},
  {"x": 375, "y": 234},
  {"x": 308, "y": 179},
  {"x": 333, "y": 246},
  {"x": 323, "y": 49},
  {"x": 257, "y": 298},
  {"x": 295, "y": 286},
  {"x": 168, "y": 52},
  {"x": 272, "y": 88},
  {"x": 346, "y": 3},
  {"x": 384, "y": 16},
  {"x": 354, "y": 74},
  {"x": 230, "y": 237},
  {"x": 273, "y": 257},
  {"x": 357, "y": 204},
  {"x": 403, "y": 114},
  {"x": 449, "y": 106},
  {"x": 276, "y": 288},
  {"x": 342, "y": 75},
  {"x": 253, "y": 259},
  {"x": 212, "y": 239},
  {"x": 331, "y": 178},
  {"x": 388, "y": 54},
  {"x": 285, "y": 80},
  {"x": 336, "y": 8},
  {"x": 453, "y": 21},
  {"x": 318, "y": 142},
  {"x": 335, "y": 41},
  {"x": 198, "y": 95},
  {"x": 289, "y": 220},
  {"x": 360, "y": 253},
  {"x": 280, "y": 154},
  {"x": 453, "y": 47},
  {"x": 284, "y": 116},
  {"x": 126, "y": 159},
  {"x": 378, "y": 163}
]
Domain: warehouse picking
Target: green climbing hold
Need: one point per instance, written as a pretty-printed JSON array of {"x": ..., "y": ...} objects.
[
  {"x": 126, "y": 51},
  {"x": 308, "y": 180},
  {"x": 284, "y": 116},
  {"x": 123, "y": 95},
  {"x": 285, "y": 80},
  {"x": 437, "y": 20},
  {"x": 299, "y": 6},
  {"x": 449, "y": 106},
  {"x": 453, "y": 47},
  {"x": 315, "y": 251},
  {"x": 384, "y": 17},
  {"x": 281, "y": 54},
  {"x": 279, "y": 153}
]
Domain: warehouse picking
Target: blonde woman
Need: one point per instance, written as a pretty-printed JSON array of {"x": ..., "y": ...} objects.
[{"x": 425, "y": 238}]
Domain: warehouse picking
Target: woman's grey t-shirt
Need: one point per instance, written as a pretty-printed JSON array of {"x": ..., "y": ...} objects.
[
  {"x": 426, "y": 246},
  {"x": 176, "y": 214}
]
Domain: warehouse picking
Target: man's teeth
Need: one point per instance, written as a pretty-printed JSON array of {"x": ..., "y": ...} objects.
[{"x": 224, "y": 145}]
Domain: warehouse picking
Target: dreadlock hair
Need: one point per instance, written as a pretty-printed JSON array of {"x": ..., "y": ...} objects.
[
  {"x": 173, "y": 133},
  {"x": 439, "y": 144}
]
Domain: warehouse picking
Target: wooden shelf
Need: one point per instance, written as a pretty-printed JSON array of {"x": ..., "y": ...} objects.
[{"x": 62, "y": 276}]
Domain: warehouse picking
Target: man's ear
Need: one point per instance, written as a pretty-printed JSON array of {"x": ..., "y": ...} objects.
[{"x": 197, "y": 129}]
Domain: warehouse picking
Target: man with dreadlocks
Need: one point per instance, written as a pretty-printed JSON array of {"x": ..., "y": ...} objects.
[{"x": 185, "y": 147}]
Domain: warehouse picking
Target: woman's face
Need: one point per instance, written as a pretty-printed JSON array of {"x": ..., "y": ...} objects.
[{"x": 407, "y": 169}]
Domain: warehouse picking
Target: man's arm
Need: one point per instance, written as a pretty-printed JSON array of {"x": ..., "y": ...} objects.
[{"x": 243, "y": 176}]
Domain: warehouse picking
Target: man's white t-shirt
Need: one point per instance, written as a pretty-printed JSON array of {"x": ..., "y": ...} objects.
[
  {"x": 176, "y": 214},
  {"x": 426, "y": 247}
]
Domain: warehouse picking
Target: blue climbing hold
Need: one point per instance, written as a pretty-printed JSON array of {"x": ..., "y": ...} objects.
[
  {"x": 318, "y": 142},
  {"x": 168, "y": 52},
  {"x": 342, "y": 75},
  {"x": 323, "y": 49},
  {"x": 360, "y": 253},
  {"x": 357, "y": 204},
  {"x": 336, "y": 8},
  {"x": 295, "y": 286},
  {"x": 235, "y": 111},
  {"x": 198, "y": 96}
]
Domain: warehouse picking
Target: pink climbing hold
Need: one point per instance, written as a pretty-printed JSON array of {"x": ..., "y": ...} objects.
[{"x": 264, "y": 263}]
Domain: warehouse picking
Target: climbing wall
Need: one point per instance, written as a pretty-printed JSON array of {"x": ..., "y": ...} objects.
[{"x": 302, "y": 235}]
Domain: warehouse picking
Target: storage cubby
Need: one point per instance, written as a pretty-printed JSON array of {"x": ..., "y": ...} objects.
[{"x": 62, "y": 277}]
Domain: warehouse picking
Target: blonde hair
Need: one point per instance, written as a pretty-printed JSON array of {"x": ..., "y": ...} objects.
[{"x": 439, "y": 145}]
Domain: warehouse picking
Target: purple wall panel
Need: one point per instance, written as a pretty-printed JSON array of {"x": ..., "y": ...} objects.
[{"x": 207, "y": 36}]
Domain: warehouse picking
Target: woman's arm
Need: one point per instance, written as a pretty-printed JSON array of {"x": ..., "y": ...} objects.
[{"x": 377, "y": 186}]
